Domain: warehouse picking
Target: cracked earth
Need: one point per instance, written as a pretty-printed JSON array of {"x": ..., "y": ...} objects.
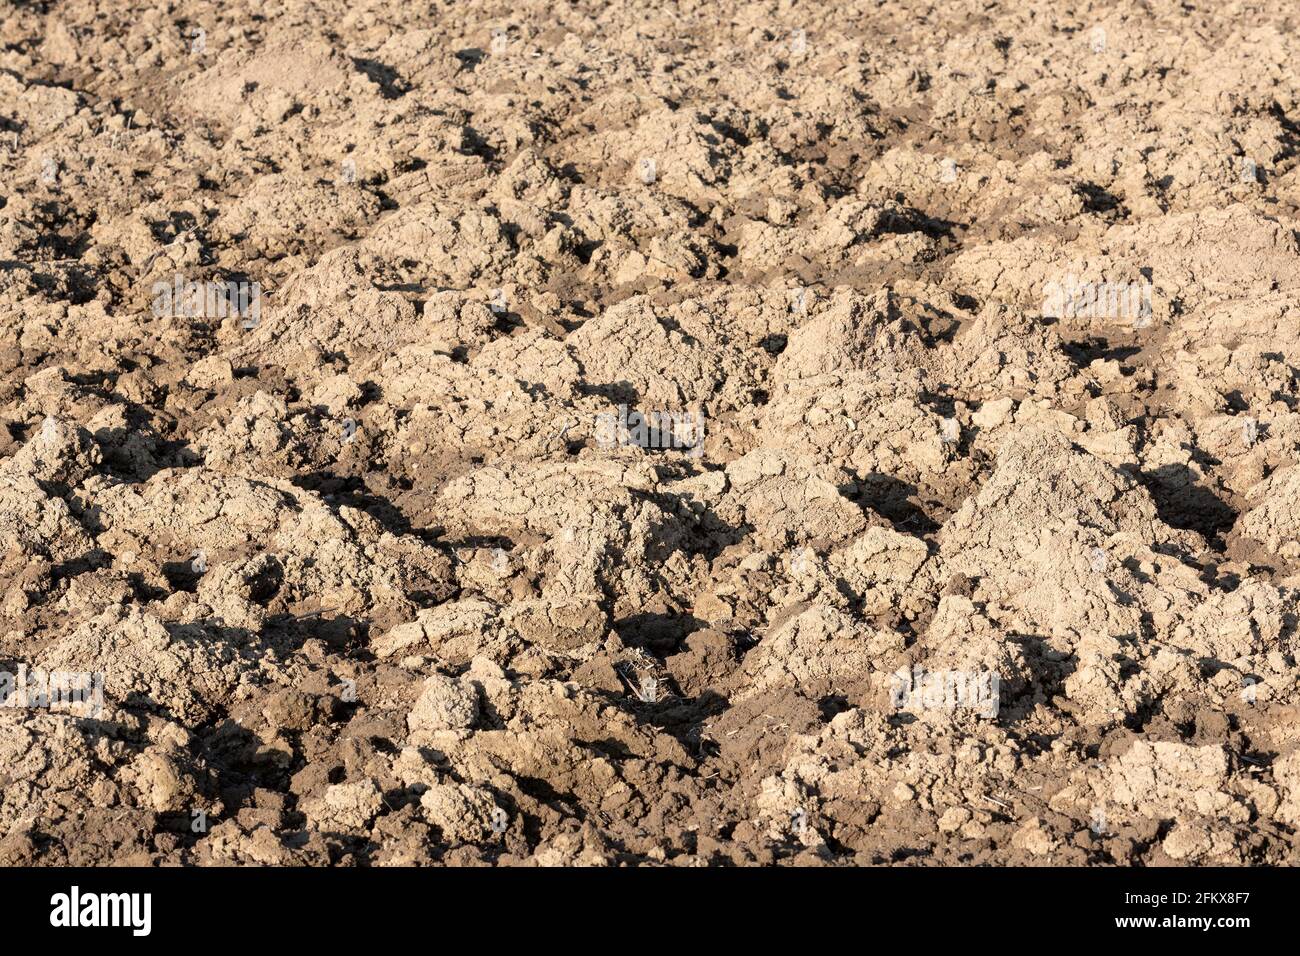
[{"x": 931, "y": 565}]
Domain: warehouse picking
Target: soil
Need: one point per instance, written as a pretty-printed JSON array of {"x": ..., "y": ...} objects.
[{"x": 382, "y": 563}]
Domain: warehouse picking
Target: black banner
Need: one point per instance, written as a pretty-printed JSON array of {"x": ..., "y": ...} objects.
[{"x": 336, "y": 907}]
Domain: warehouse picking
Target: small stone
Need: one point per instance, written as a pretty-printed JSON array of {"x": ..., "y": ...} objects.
[
  {"x": 1033, "y": 838},
  {"x": 953, "y": 819},
  {"x": 444, "y": 705}
]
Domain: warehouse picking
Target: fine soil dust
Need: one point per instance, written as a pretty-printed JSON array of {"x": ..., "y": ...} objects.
[{"x": 332, "y": 336}]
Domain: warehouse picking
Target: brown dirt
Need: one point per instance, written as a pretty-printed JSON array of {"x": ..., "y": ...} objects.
[{"x": 368, "y": 582}]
